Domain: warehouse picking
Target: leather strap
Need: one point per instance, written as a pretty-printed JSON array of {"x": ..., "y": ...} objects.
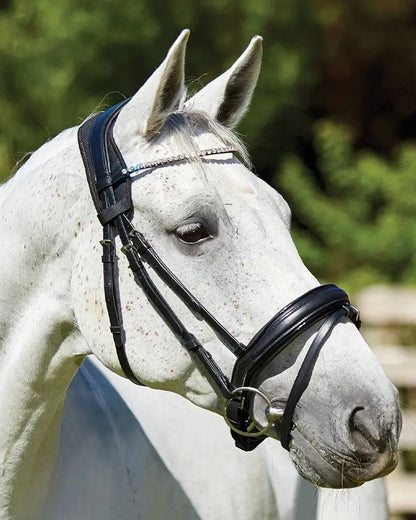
[
  {"x": 101, "y": 156},
  {"x": 305, "y": 373},
  {"x": 284, "y": 327},
  {"x": 150, "y": 256}
]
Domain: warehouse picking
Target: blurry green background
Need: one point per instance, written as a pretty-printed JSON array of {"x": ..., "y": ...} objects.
[{"x": 332, "y": 125}]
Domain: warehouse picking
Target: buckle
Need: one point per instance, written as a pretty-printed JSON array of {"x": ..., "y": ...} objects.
[
  {"x": 354, "y": 314},
  {"x": 106, "y": 242}
]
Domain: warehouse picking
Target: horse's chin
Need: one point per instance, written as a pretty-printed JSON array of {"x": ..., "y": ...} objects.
[{"x": 324, "y": 467}]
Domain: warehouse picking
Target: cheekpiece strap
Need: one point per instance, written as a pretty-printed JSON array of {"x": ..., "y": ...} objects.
[
  {"x": 110, "y": 185},
  {"x": 112, "y": 199}
]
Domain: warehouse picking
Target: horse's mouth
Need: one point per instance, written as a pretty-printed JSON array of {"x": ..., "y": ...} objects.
[{"x": 326, "y": 468}]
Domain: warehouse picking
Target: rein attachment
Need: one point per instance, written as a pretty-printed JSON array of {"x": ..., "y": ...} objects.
[
  {"x": 109, "y": 181},
  {"x": 272, "y": 414}
]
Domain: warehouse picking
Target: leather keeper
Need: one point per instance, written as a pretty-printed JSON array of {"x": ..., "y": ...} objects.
[{"x": 106, "y": 215}]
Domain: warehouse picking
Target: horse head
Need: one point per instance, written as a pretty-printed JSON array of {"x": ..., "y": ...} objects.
[{"x": 224, "y": 236}]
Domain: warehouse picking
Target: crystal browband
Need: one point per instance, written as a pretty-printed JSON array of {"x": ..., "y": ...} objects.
[{"x": 133, "y": 170}]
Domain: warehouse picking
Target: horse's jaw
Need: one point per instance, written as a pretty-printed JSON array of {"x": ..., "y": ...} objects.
[{"x": 325, "y": 468}]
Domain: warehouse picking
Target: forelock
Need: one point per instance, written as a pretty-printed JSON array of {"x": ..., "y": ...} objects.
[{"x": 185, "y": 127}]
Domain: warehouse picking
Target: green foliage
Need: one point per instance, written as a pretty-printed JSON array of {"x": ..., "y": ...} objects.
[
  {"x": 353, "y": 62},
  {"x": 356, "y": 222},
  {"x": 61, "y": 60}
]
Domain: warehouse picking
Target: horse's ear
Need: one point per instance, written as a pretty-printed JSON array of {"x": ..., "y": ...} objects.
[
  {"x": 148, "y": 109},
  {"x": 228, "y": 97}
]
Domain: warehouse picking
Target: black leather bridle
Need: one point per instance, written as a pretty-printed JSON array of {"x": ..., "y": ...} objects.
[{"x": 110, "y": 186}]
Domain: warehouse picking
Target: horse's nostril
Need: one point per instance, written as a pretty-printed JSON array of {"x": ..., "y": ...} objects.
[
  {"x": 352, "y": 418},
  {"x": 367, "y": 433}
]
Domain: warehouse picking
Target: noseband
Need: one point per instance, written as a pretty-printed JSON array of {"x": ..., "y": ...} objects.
[{"x": 109, "y": 181}]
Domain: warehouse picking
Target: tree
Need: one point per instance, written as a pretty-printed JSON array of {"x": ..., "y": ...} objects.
[
  {"x": 59, "y": 61},
  {"x": 355, "y": 216}
]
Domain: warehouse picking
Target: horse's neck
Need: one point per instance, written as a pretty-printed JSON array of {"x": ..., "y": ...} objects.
[
  {"x": 37, "y": 336},
  {"x": 38, "y": 217}
]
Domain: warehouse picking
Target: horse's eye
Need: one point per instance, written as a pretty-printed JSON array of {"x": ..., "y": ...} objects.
[{"x": 192, "y": 233}]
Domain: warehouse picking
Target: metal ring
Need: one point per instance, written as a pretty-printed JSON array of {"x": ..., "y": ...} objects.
[{"x": 248, "y": 433}]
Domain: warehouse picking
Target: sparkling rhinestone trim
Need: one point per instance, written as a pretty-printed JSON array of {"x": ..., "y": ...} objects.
[{"x": 132, "y": 171}]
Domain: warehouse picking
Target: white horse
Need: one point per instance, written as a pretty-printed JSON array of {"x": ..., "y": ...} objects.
[
  {"x": 116, "y": 451},
  {"x": 225, "y": 234}
]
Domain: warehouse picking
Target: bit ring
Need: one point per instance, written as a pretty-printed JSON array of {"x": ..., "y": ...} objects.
[{"x": 249, "y": 432}]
